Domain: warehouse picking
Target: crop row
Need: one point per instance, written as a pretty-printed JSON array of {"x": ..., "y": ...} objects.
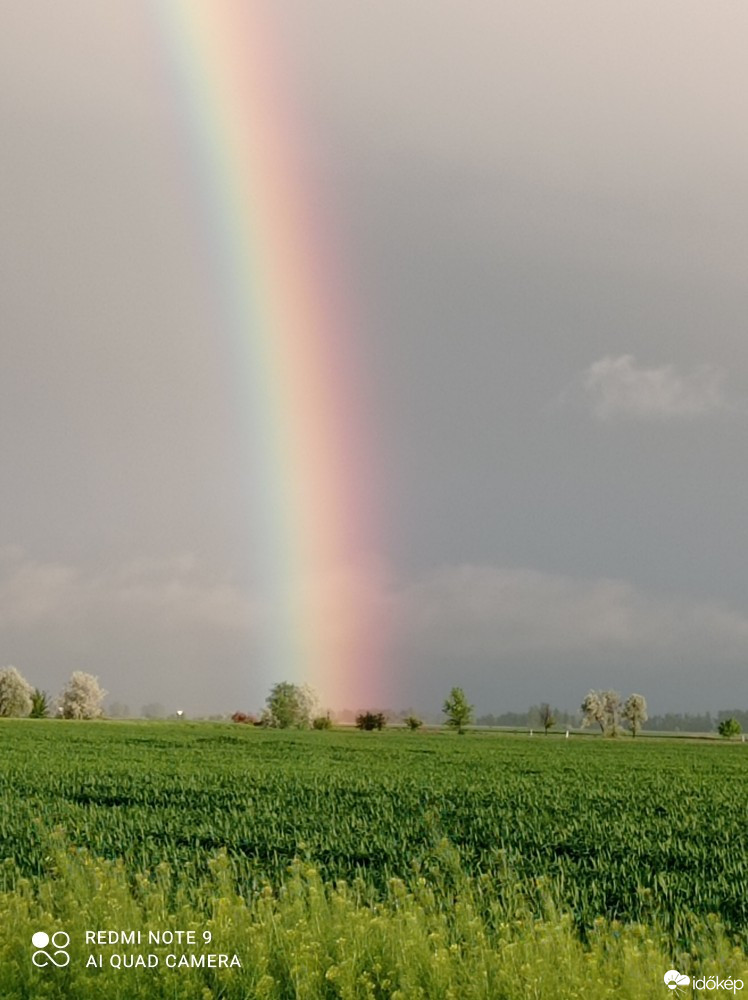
[{"x": 633, "y": 831}]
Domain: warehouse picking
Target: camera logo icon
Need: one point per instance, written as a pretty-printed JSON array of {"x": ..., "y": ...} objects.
[{"x": 57, "y": 955}]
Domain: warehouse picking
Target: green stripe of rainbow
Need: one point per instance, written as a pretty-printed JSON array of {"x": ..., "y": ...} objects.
[{"x": 288, "y": 319}]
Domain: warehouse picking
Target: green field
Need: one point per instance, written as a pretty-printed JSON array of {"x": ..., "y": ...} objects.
[{"x": 607, "y": 856}]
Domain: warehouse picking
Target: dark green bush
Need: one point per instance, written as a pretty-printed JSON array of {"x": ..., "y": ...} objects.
[
  {"x": 370, "y": 721},
  {"x": 729, "y": 727}
]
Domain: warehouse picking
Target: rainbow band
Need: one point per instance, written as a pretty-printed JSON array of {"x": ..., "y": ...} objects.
[{"x": 288, "y": 323}]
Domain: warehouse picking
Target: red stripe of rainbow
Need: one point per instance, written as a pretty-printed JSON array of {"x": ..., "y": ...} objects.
[{"x": 286, "y": 314}]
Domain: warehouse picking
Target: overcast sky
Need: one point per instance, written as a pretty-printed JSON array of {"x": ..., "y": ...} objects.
[{"x": 545, "y": 220}]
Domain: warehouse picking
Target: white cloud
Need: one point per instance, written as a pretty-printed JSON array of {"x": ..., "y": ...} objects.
[
  {"x": 510, "y": 634},
  {"x": 475, "y": 616},
  {"x": 169, "y": 593},
  {"x": 617, "y": 387},
  {"x": 467, "y": 612}
]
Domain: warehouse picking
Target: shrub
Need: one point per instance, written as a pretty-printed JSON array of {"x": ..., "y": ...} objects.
[
  {"x": 322, "y": 722},
  {"x": 370, "y": 720},
  {"x": 413, "y": 722},
  {"x": 729, "y": 727},
  {"x": 39, "y": 704},
  {"x": 244, "y": 719},
  {"x": 547, "y": 717}
]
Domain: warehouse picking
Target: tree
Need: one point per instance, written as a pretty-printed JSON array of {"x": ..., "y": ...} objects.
[
  {"x": 413, "y": 722},
  {"x": 547, "y": 717},
  {"x": 593, "y": 710},
  {"x": 612, "y": 703},
  {"x": 635, "y": 712},
  {"x": 39, "y": 704},
  {"x": 371, "y": 720},
  {"x": 289, "y": 706},
  {"x": 729, "y": 727},
  {"x": 15, "y": 693},
  {"x": 739, "y": 716},
  {"x": 604, "y": 709},
  {"x": 82, "y": 697},
  {"x": 322, "y": 721},
  {"x": 457, "y": 710}
]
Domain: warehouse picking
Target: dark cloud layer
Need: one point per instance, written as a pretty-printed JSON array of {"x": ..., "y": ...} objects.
[{"x": 544, "y": 219}]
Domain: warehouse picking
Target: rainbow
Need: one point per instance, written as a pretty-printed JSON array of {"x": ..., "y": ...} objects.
[{"x": 286, "y": 317}]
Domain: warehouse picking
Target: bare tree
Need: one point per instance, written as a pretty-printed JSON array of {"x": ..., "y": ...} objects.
[
  {"x": 635, "y": 712},
  {"x": 547, "y": 717}
]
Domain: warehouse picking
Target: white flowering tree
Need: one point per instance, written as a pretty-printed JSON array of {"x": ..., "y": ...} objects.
[
  {"x": 593, "y": 712},
  {"x": 15, "y": 693},
  {"x": 602, "y": 708},
  {"x": 635, "y": 712},
  {"x": 82, "y": 697}
]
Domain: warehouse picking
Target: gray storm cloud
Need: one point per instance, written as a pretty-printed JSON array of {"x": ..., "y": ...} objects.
[
  {"x": 528, "y": 196},
  {"x": 480, "y": 624}
]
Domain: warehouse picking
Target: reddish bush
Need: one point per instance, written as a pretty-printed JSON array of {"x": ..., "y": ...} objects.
[{"x": 247, "y": 720}]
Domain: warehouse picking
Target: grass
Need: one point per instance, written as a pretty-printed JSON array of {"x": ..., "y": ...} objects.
[
  {"x": 390, "y": 864},
  {"x": 452, "y": 936}
]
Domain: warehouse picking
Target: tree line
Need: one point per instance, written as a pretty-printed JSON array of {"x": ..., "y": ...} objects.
[
  {"x": 81, "y": 698},
  {"x": 668, "y": 722},
  {"x": 293, "y": 706}
]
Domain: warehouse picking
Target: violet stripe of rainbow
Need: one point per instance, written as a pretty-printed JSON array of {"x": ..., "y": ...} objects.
[{"x": 287, "y": 320}]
